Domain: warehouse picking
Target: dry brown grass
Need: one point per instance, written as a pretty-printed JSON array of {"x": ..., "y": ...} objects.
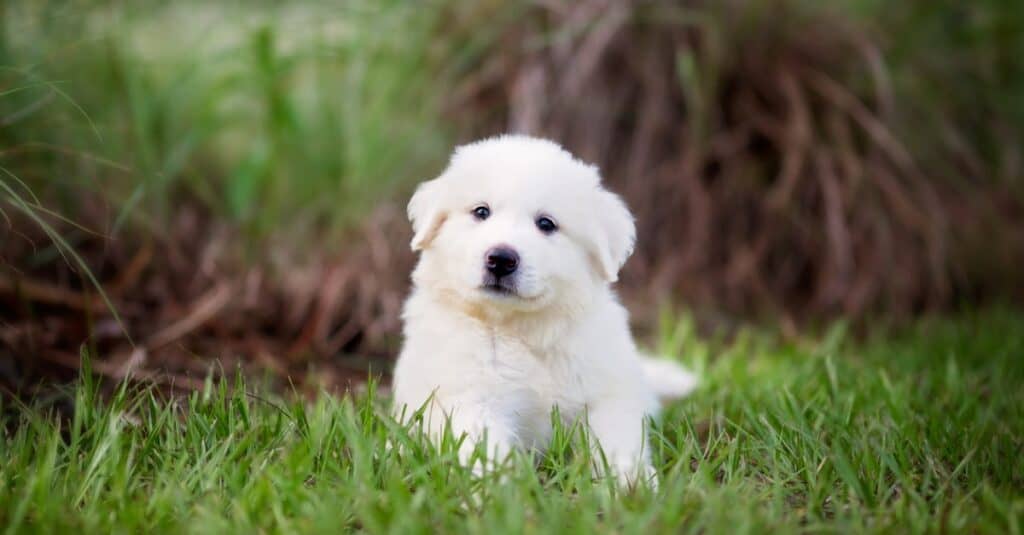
[
  {"x": 195, "y": 303},
  {"x": 760, "y": 144}
]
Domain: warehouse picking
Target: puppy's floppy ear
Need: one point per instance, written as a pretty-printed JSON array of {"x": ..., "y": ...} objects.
[
  {"x": 426, "y": 213},
  {"x": 616, "y": 234}
]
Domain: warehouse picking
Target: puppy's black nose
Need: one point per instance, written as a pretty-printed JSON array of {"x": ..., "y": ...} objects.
[{"x": 501, "y": 261}]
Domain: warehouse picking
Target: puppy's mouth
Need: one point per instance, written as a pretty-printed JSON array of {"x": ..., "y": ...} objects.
[{"x": 501, "y": 287}]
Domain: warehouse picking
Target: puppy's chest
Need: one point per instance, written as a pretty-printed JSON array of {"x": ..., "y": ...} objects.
[{"x": 551, "y": 376}]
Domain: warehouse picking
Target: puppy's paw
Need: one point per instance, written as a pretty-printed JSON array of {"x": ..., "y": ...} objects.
[
  {"x": 629, "y": 473},
  {"x": 632, "y": 475}
]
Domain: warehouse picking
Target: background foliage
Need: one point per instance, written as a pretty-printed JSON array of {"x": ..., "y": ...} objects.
[{"x": 233, "y": 175}]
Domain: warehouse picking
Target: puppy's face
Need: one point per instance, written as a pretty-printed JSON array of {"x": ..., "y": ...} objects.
[{"x": 516, "y": 223}]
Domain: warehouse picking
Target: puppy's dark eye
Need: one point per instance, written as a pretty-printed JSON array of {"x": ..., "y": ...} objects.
[
  {"x": 481, "y": 212},
  {"x": 546, "y": 225}
]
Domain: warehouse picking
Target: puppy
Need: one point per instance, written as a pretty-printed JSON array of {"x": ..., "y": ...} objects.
[{"x": 512, "y": 314}]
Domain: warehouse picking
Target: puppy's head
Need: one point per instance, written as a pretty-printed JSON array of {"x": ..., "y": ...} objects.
[{"x": 517, "y": 223}]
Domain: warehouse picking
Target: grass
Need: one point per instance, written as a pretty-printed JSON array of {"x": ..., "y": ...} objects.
[
  {"x": 916, "y": 431},
  {"x": 258, "y": 113}
]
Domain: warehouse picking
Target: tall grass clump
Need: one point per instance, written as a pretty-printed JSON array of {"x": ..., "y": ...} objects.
[{"x": 791, "y": 158}]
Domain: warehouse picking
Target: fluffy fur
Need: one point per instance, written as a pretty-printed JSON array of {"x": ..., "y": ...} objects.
[{"x": 495, "y": 363}]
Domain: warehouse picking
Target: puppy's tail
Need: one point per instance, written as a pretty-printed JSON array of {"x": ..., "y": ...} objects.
[{"x": 668, "y": 379}]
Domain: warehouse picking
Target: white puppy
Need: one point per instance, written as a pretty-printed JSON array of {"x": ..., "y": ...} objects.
[{"x": 512, "y": 313}]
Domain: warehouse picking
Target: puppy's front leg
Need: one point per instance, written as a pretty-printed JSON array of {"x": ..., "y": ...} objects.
[
  {"x": 618, "y": 428},
  {"x": 481, "y": 423}
]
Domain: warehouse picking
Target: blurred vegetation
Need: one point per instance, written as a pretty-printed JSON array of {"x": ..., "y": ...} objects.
[
  {"x": 278, "y": 116},
  {"x": 809, "y": 159},
  {"x": 961, "y": 65},
  {"x": 272, "y": 116},
  {"x": 233, "y": 174}
]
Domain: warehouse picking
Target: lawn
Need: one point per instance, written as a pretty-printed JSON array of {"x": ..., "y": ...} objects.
[{"x": 914, "y": 430}]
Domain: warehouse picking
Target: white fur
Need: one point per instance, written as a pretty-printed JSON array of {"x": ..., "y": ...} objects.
[{"x": 496, "y": 365}]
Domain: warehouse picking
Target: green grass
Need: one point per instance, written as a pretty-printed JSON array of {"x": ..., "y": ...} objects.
[
  {"x": 914, "y": 431},
  {"x": 260, "y": 113}
]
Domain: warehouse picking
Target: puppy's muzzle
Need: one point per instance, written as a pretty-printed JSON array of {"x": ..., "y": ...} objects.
[{"x": 501, "y": 261}]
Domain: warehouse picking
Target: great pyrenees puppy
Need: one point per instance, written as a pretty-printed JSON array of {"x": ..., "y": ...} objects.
[{"x": 512, "y": 314}]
